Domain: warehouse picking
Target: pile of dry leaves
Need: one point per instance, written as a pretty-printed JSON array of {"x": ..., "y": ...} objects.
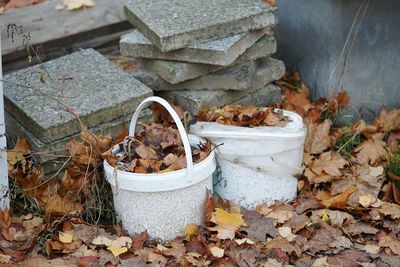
[
  {"x": 248, "y": 116},
  {"x": 344, "y": 214},
  {"x": 155, "y": 148}
]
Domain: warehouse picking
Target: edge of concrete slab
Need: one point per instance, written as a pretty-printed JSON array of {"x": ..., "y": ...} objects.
[
  {"x": 47, "y": 128},
  {"x": 176, "y": 71},
  {"x": 193, "y": 54},
  {"x": 192, "y": 101},
  {"x": 187, "y": 38}
]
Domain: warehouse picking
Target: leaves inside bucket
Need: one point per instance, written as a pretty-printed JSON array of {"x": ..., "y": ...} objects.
[
  {"x": 154, "y": 149},
  {"x": 244, "y": 116}
]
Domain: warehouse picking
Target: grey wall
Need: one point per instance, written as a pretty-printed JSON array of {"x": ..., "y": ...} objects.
[{"x": 313, "y": 33}]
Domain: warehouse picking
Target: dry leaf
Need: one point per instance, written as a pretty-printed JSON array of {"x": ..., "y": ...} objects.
[
  {"x": 78, "y": 4},
  {"x": 32, "y": 223},
  {"x": 318, "y": 139},
  {"x": 388, "y": 120},
  {"x": 338, "y": 201},
  {"x": 244, "y": 240},
  {"x": 281, "y": 212},
  {"x": 371, "y": 151},
  {"x": 16, "y": 154},
  {"x": 217, "y": 252},
  {"x": 226, "y": 223},
  {"x": 325, "y": 168},
  {"x": 391, "y": 209},
  {"x": 258, "y": 228},
  {"x": 65, "y": 237},
  {"x": 191, "y": 229},
  {"x": 116, "y": 251},
  {"x": 366, "y": 200}
]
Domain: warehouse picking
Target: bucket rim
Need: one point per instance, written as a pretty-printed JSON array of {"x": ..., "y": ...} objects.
[
  {"x": 158, "y": 182},
  {"x": 297, "y": 127}
]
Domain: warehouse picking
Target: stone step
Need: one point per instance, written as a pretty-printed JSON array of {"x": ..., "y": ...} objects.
[
  {"x": 217, "y": 52},
  {"x": 85, "y": 81},
  {"x": 266, "y": 71},
  {"x": 192, "y": 101},
  {"x": 175, "y": 24},
  {"x": 177, "y": 71}
]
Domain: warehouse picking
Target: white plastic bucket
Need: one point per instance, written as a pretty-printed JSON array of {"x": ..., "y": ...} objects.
[
  {"x": 162, "y": 203},
  {"x": 257, "y": 164}
]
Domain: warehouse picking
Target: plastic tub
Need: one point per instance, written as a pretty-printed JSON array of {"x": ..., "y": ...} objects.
[
  {"x": 162, "y": 203},
  {"x": 257, "y": 164}
]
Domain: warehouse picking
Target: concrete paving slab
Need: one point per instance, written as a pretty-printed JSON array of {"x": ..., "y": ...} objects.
[
  {"x": 222, "y": 51},
  {"x": 85, "y": 81},
  {"x": 175, "y": 24},
  {"x": 267, "y": 70},
  {"x": 192, "y": 101},
  {"x": 177, "y": 71}
]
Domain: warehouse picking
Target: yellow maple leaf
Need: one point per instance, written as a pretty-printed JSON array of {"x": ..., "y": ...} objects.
[
  {"x": 338, "y": 201},
  {"x": 116, "y": 251},
  {"x": 77, "y": 4},
  {"x": 191, "y": 229},
  {"x": 226, "y": 223},
  {"x": 65, "y": 237}
]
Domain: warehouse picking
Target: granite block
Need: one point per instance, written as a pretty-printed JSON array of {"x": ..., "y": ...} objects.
[
  {"x": 175, "y": 24},
  {"x": 85, "y": 82}
]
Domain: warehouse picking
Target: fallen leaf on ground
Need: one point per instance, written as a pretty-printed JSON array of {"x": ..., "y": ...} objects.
[
  {"x": 318, "y": 138},
  {"x": 338, "y": 201},
  {"x": 217, "y": 252},
  {"x": 258, "y": 227},
  {"x": 226, "y": 223},
  {"x": 391, "y": 209},
  {"x": 78, "y": 4},
  {"x": 65, "y": 237}
]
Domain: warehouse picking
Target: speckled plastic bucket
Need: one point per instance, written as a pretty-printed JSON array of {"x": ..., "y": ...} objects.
[
  {"x": 164, "y": 203},
  {"x": 257, "y": 164}
]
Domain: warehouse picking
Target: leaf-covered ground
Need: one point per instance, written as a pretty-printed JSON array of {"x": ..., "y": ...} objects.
[{"x": 344, "y": 215}]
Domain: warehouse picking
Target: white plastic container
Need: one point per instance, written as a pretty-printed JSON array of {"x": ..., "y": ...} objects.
[
  {"x": 257, "y": 164},
  {"x": 164, "y": 203}
]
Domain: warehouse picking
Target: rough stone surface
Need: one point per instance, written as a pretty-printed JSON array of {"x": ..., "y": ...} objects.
[
  {"x": 85, "y": 81},
  {"x": 238, "y": 77},
  {"x": 264, "y": 47},
  {"x": 175, "y": 24},
  {"x": 192, "y": 101},
  {"x": 221, "y": 51},
  {"x": 51, "y": 155},
  {"x": 267, "y": 71},
  {"x": 177, "y": 71}
]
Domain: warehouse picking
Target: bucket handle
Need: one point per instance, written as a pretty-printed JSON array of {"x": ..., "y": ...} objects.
[{"x": 181, "y": 128}]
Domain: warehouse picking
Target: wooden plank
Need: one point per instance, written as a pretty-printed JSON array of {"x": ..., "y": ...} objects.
[{"x": 51, "y": 27}]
